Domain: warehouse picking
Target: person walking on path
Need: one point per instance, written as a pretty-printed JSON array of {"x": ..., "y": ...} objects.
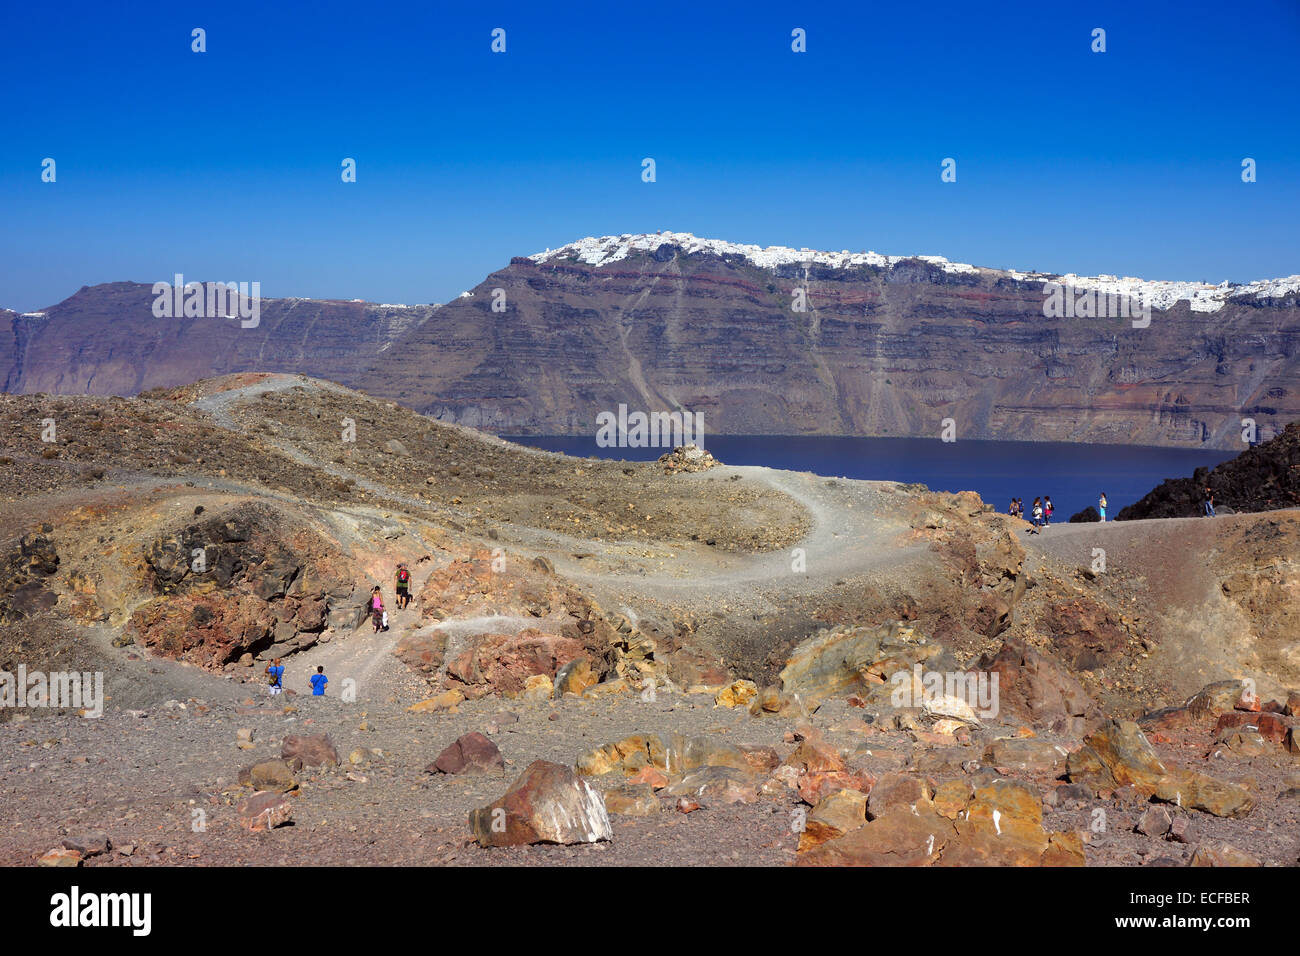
[
  {"x": 1047, "y": 510},
  {"x": 376, "y": 608},
  {"x": 1209, "y": 503},
  {"x": 276, "y": 671},
  {"x": 1101, "y": 506},
  {"x": 403, "y": 587},
  {"x": 318, "y": 682},
  {"x": 1037, "y": 516}
]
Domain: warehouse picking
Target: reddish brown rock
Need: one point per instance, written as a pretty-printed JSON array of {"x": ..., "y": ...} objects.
[
  {"x": 895, "y": 790},
  {"x": 813, "y": 787},
  {"x": 1034, "y": 689},
  {"x": 1274, "y": 728},
  {"x": 265, "y": 811},
  {"x": 470, "y": 753},
  {"x": 814, "y": 755},
  {"x": 313, "y": 751},
  {"x": 422, "y": 651},
  {"x": 502, "y": 663},
  {"x": 652, "y": 776}
]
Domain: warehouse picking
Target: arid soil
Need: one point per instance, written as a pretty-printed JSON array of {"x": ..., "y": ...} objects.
[{"x": 737, "y": 632}]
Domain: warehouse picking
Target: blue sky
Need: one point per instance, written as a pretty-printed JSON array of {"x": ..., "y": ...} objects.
[{"x": 225, "y": 165}]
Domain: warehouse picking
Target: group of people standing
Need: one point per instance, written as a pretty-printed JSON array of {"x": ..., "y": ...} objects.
[
  {"x": 378, "y": 614},
  {"x": 275, "y": 679},
  {"x": 1040, "y": 514}
]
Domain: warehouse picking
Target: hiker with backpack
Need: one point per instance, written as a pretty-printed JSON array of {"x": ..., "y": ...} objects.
[
  {"x": 318, "y": 682},
  {"x": 275, "y": 670},
  {"x": 403, "y": 587},
  {"x": 1037, "y": 517}
]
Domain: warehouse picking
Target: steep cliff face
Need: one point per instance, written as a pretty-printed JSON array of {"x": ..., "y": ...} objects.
[
  {"x": 105, "y": 340},
  {"x": 886, "y": 346},
  {"x": 883, "y": 346}
]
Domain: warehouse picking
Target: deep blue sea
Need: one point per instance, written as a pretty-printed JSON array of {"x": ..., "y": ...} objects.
[{"x": 1073, "y": 475}]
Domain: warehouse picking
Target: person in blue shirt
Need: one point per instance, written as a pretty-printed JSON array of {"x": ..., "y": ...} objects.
[
  {"x": 276, "y": 670},
  {"x": 318, "y": 682}
]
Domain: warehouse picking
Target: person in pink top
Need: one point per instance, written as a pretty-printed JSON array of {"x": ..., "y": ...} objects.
[{"x": 376, "y": 608}]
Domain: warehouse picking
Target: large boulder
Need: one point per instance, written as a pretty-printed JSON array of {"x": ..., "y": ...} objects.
[
  {"x": 1033, "y": 688},
  {"x": 1199, "y": 791},
  {"x": 857, "y": 660},
  {"x": 628, "y": 756},
  {"x": 502, "y": 663},
  {"x": 270, "y": 775},
  {"x": 1117, "y": 754},
  {"x": 549, "y": 803},
  {"x": 470, "y": 753}
]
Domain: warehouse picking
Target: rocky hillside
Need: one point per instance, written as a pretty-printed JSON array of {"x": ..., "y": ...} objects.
[
  {"x": 1265, "y": 477},
  {"x": 885, "y": 346},
  {"x": 654, "y": 663}
]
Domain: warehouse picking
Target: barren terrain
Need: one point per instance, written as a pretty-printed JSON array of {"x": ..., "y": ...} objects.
[{"x": 750, "y": 621}]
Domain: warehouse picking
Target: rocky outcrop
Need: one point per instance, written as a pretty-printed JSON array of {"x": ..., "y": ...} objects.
[
  {"x": 242, "y": 582},
  {"x": 24, "y": 575},
  {"x": 1265, "y": 477}
]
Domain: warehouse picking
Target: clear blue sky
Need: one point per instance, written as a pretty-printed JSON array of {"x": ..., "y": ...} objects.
[{"x": 225, "y": 165}]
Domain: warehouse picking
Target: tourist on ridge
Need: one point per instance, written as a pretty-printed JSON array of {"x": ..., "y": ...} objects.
[
  {"x": 318, "y": 682},
  {"x": 1047, "y": 510},
  {"x": 1037, "y": 516},
  {"x": 376, "y": 608},
  {"x": 1101, "y": 506},
  {"x": 276, "y": 680},
  {"x": 403, "y": 587},
  {"x": 1209, "y": 503}
]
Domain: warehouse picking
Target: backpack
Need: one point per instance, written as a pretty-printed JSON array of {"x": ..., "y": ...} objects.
[{"x": 403, "y": 575}]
